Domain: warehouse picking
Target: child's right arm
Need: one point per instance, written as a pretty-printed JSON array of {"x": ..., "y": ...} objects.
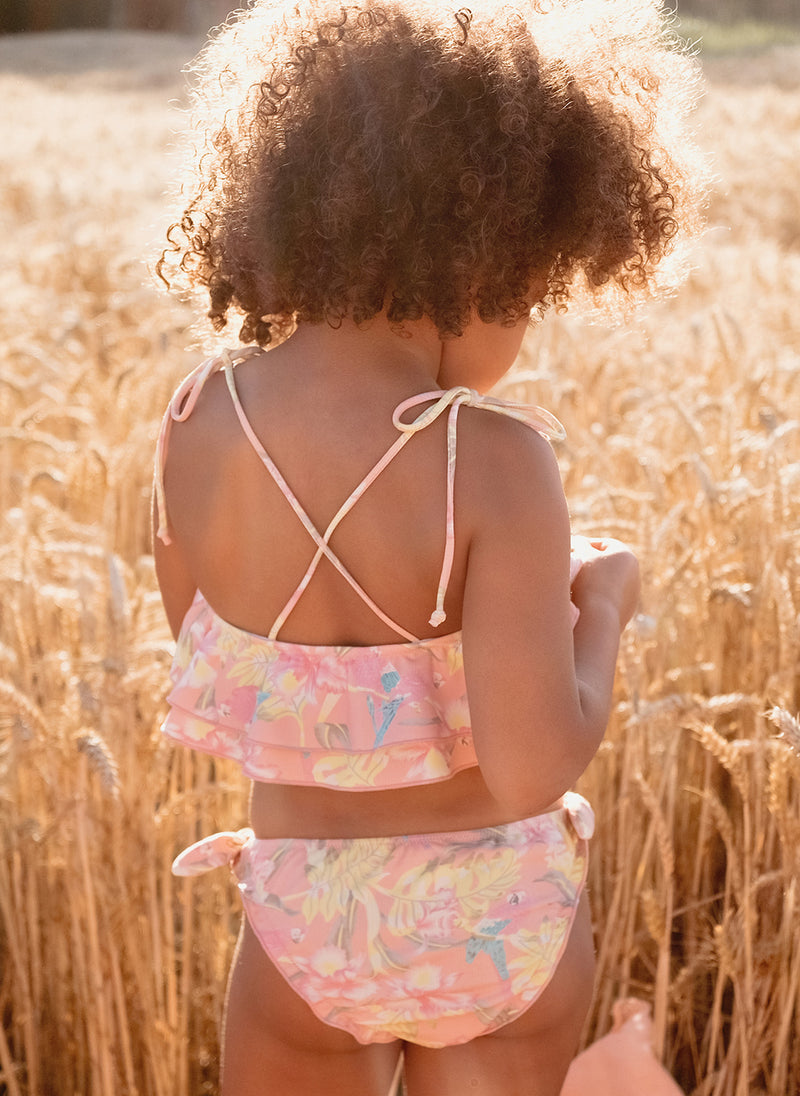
[
  {"x": 606, "y": 590},
  {"x": 539, "y": 695}
]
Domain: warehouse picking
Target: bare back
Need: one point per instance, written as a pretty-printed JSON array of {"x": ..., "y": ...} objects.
[{"x": 246, "y": 547}]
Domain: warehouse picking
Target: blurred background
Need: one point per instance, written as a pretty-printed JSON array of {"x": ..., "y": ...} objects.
[
  {"x": 194, "y": 15},
  {"x": 172, "y": 15}
]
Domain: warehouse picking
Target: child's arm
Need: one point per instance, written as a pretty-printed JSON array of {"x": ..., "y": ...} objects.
[
  {"x": 607, "y": 586},
  {"x": 539, "y": 696},
  {"x": 174, "y": 579}
]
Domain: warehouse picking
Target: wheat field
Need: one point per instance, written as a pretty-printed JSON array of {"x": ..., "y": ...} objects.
[{"x": 683, "y": 438}]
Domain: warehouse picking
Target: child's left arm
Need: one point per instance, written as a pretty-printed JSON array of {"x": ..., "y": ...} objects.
[{"x": 175, "y": 581}]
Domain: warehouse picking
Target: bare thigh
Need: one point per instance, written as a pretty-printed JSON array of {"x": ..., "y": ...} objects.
[
  {"x": 529, "y": 1057},
  {"x": 274, "y": 1045}
]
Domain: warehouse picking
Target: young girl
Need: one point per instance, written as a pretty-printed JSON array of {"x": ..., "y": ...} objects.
[{"x": 366, "y": 560}]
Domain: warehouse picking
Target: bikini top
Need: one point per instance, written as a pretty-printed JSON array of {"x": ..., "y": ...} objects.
[{"x": 384, "y": 716}]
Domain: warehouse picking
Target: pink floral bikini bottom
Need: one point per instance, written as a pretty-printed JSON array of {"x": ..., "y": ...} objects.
[{"x": 430, "y": 938}]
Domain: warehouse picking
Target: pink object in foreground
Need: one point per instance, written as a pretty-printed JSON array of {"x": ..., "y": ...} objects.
[{"x": 622, "y": 1063}]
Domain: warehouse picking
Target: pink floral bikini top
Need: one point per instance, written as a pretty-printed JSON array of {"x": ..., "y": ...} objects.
[{"x": 387, "y": 716}]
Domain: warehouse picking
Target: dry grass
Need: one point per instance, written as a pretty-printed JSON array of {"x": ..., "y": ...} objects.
[{"x": 683, "y": 437}]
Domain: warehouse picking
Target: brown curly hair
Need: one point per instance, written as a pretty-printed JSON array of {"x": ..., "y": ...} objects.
[{"x": 355, "y": 158}]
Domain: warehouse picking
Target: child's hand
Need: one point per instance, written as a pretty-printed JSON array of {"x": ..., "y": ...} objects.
[{"x": 608, "y": 569}]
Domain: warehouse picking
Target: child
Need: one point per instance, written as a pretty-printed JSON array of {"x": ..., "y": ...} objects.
[{"x": 385, "y": 193}]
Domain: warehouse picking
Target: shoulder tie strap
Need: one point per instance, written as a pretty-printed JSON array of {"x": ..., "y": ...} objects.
[
  {"x": 179, "y": 409},
  {"x": 455, "y": 398}
]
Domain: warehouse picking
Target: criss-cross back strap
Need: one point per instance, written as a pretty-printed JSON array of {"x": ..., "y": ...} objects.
[
  {"x": 320, "y": 539},
  {"x": 183, "y": 401}
]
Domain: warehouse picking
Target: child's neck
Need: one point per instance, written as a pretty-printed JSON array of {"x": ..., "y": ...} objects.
[{"x": 373, "y": 353}]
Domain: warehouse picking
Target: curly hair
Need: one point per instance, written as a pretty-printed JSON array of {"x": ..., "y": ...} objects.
[{"x": 355, "y": 157}]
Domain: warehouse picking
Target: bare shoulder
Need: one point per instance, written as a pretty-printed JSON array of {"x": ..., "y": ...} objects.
[
  {"x": 205, "y": 466},
  {"x": 508, "y": 473},
  {"x": 192, "y": 457},
  {"x": 211, "y": 426}
]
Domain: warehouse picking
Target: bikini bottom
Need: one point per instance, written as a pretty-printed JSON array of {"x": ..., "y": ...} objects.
[{"x": 430, "y": 938}]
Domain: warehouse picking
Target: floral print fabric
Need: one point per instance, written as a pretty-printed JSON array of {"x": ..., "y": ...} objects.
[
  {"x": 344, "y": 717},
  {"x": 431, "y": 938},
  {"x": 387, "y": 716}
]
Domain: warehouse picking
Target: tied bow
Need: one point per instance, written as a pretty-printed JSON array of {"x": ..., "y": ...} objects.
[
  {"x": 453, "y": 399},
  {"x": 542, "y": 421}
]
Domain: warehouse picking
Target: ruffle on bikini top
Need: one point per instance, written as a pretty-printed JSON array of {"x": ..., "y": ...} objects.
[{"x": 387, "y": 716}]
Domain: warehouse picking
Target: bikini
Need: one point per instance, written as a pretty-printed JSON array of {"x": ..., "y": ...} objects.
[{"x": 431, "y": 938}]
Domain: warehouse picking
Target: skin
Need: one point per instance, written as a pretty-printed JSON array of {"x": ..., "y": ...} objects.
[{"x": 321, "y": 404}]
